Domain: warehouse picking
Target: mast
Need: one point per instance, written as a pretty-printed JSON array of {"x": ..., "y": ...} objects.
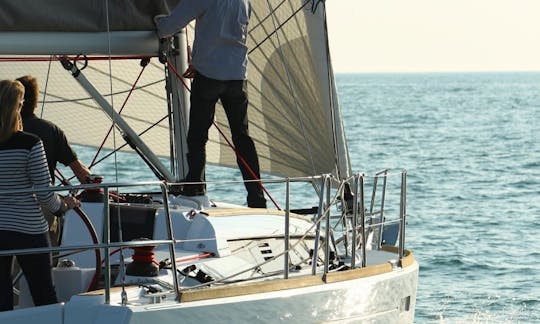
[{"x": 178, "y": 100}]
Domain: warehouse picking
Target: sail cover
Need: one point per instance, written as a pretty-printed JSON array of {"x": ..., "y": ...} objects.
[{"x": 294, "y": 113}]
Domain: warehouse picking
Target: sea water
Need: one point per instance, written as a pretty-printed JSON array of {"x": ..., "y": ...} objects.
[{"x": 471, "y": 145}]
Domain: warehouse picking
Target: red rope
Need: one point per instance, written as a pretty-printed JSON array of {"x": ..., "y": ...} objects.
[
  {"x": 119, "y": 112},
  {"x": 178, "y": 76},
  {"x": 144, "y": 254},
  {"x": 58, "y": 174},
  {"x": 141, "y": 255},
  {"x": 246, "y": 165},
  {"x": 194, "y": 257},
  {"x": 173, "y": 69},
  {"x": 116, "y": 197},
  {"x": 178, "y": 260},
  {"x": 56, "y": 58}
]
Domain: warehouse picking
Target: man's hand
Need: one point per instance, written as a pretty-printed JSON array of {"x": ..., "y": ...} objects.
[
  {"x": 190, "y": 72},
  {"x": 158, "y": 17},
  {"x": 71, "y": 202}
]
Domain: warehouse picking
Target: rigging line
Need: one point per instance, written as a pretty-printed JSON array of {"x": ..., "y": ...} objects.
[
  {"x": 122, "y": 81},
  {"x": 274, "y": 70},
  {"x": 292, "y": 92},
  {"x": 120, "y": 238},
  {"x": 125, "y": 144},
  {"x": 309, "y": 89},
  {"x": 315, "y": 5},
  {"x": 60, "y": 176},
  {"x": 60, "y": 99},
  {"x": 268, "y": 58},
  {"x": 150, "y": 128},
  {"x": 279, "y": 27},
  {"x": 170, "y": 114},
  {"x": 238, "y": 155},
  {"x": 246, "y": 165},
  {"x": 111, "y": 90},
  {"x": 331, "y": 89},
  {"x": 261, "y": 21},
  {"x": 119, "y": 112},
  {"x": 292, "y": 247},
  {"x": 57, "y": 172},
  {"x": 181, "y": 78},
  {"x": 46, "y": 87}
]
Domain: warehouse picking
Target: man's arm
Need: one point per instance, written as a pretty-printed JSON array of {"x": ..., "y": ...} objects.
[
  {"x": 80, "y": 170},
  {"x": 182, "y": 14}
]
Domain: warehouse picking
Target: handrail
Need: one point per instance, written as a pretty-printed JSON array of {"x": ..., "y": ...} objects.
[
  {"x": 86, "y": 247},
  {"x": 81, "y": 187},
  {"x": 107, "y": 239},
  {"x": 170, "y": 235},
  {"x": 287, "y": 221},
  {"x": 355, "y": 218},
  {"x": 326, "y": 201},
  {"x": 402, "y": 213},
  {"x": 320, "y": 214},
  {"x": 327, "y": 235}
]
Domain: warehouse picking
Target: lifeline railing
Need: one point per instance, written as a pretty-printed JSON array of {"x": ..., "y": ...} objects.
[{"x": 358, "y": 219}]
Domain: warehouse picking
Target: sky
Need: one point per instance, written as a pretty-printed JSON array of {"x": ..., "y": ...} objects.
[{"x": 434, "y": 35}]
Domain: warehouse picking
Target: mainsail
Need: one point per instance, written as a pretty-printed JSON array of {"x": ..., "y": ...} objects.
[{"x": 294, "y": 114}]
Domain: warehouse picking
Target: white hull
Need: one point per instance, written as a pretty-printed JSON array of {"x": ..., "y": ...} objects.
[
  {"x": 378, "y": 299},
  {"x": 384, "y": 298}
]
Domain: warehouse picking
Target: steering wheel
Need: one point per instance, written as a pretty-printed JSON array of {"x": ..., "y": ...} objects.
[{"x": 93, "y": 234}]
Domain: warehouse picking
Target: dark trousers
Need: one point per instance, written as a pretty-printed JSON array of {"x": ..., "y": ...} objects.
[
  {"x": 205, "y": 92},
  {"x": 36, "y": 268}
]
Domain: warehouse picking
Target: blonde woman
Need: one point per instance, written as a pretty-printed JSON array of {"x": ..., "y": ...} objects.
[{"x": 22, "y": 225}]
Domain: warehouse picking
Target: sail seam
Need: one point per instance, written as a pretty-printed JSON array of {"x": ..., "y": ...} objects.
[
  {"x": 290, "y": 86},
  {"x": 276, "y": 29}
]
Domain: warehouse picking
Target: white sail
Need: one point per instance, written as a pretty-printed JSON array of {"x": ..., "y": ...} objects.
[{"x": 294, "y": 114}]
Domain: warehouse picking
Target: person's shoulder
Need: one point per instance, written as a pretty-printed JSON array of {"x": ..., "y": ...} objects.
[
  {"x": 41, "y": 126},
  {"x": 22, "y": 140},
  {"x": 39, "y": 121},
  {"x": 28, "y": 137}
]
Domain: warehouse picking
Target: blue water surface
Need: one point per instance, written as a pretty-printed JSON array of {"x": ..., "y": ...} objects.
[{"x": 470, "y": 143}]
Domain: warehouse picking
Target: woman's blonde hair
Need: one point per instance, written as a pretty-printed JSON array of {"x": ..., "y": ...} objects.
[{"x": 11, "y": 95}]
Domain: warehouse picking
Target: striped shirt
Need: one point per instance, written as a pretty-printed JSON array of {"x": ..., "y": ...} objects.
[{"x": 23, "y": 165}]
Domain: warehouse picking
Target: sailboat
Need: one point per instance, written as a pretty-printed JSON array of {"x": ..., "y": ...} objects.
[{"x": 331, "y": 248}]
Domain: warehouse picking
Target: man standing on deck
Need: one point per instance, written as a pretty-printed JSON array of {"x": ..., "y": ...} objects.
[
  {"x": 219, "y": 71},
  {"x": 57, "y": 148}
]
